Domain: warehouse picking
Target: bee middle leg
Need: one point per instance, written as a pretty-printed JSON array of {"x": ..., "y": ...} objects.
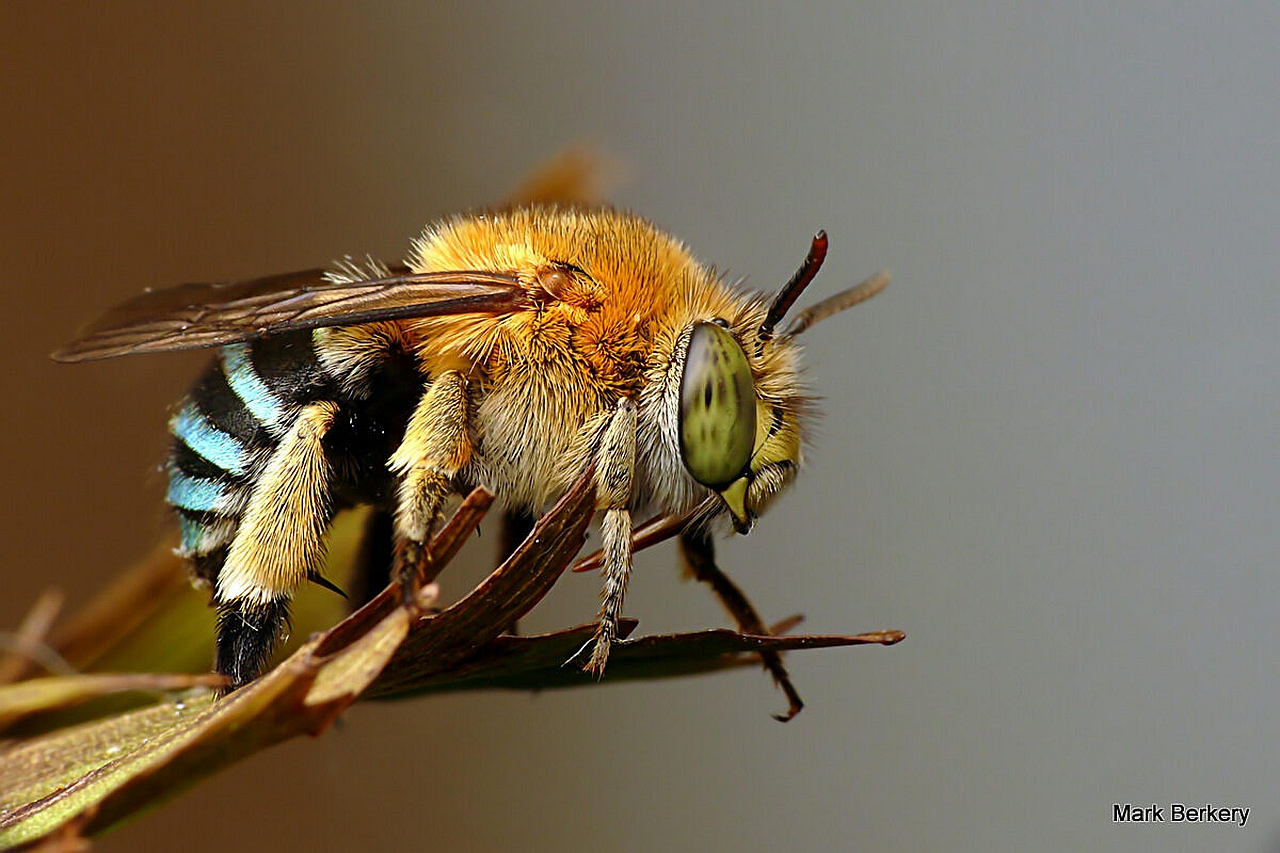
[
  {"x": 436, "y": 445},
  {"x": 372, "y": 569},
  {"x": 615, "y": 467},
  {"x": 515, "y": 527}
]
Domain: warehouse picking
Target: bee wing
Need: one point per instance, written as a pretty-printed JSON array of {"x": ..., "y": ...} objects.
[{"x": 194, "y": 316}]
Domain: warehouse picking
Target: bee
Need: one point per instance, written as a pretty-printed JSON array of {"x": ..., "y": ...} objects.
[{"x": 512, "y": 349}]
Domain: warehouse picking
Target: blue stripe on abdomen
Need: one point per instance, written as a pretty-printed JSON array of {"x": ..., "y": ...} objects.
[
  {"x": 192, "y": 533},
  {"x": 204, "y": 532},
  {"x": 244, "y": 380},
  {"x": 201, "y": 495},
  {"x": 193, "y": 429}
]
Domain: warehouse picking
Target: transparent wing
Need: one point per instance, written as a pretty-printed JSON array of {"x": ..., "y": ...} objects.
[{"x": 194, "y": 316}]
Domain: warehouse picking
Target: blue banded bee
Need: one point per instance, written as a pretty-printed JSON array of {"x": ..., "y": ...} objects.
[{"x": 511, "y": 350}]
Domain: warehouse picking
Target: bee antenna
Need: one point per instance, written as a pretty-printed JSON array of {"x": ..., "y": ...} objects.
[
  {"x": 835, "y": 304},
  {"x": 792, "y": 289}
]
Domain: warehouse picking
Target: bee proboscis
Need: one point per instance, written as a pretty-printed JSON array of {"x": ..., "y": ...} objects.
[{"x": 511, "y": 350}]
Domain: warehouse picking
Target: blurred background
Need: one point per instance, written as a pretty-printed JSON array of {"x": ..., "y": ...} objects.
[{"x": 1049, "y": 451}]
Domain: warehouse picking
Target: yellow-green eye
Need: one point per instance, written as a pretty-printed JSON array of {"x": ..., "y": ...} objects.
[{"x": 717, "y": 407}]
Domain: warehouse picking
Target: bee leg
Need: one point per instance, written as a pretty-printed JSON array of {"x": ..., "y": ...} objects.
[
  {"x": 372, "y": 571},
  {"x": 516, "y": 527},
  {"x": 699, "y": 556},
  {"x": 615, "y": 465},
  {"x": 278, "y": 545},
  {"x": 436, "y": 445},
  {"x": 247, "y": 635}
]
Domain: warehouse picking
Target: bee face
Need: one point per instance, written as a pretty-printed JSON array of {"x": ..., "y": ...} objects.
[
  {"x": 740, "y": 413},
  {"x": 512, "y": 350}
]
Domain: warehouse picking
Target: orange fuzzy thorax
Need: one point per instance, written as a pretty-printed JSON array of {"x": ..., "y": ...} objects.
[{"x": 639, "y": 285}]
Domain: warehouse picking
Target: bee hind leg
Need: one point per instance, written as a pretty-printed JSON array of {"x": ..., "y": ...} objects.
[
  {"x": 698, "y": 553},
  {"x": 436, "y": 445},
  {"x": 247, "y": 635},
  {"x": 615, "y": 466},
  {"x": 278, "y": 545}
]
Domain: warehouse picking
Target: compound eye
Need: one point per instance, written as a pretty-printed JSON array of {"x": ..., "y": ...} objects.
[{"x": 717, "y": 407}]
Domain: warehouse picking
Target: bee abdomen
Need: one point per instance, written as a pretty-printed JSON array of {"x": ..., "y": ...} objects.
[{"x": 225, "y": 433}]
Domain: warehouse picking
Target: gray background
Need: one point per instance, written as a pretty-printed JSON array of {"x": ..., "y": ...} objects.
[{"x": 1049, "y": 450}]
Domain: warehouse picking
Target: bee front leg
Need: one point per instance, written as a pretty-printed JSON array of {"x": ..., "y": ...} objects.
[
  {"x": 615, "y": 465},
  {"x": 699, "y": 556},
  {"x": 436, "y": 445},
  {"x": 278, "y": 545}
]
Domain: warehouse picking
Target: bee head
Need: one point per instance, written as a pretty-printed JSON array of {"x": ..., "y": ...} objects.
[{"x": 741, "y": 398}]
